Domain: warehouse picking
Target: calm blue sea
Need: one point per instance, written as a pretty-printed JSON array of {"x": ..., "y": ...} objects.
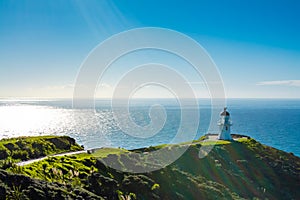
[{"x": 272, "y": 122}]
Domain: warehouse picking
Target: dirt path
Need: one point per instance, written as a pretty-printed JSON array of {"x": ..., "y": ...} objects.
[{"x": 39, "y": 159}]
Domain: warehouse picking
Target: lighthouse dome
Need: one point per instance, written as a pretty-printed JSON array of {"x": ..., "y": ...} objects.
[{"x": 225, "y": 113}]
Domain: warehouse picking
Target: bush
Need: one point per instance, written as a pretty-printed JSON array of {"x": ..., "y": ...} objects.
[
  {"x": 3, "y": 154},
  {"x": 23, "y": 155}
]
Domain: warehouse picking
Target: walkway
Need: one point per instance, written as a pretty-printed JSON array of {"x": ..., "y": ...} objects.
[{"x": 39, "y": 159}]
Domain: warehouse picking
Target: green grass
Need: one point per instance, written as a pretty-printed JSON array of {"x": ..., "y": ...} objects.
[
  {"x": 26, "y": 138},
  {"x": 104, "y": 152},
  {"x": 244, "y": 139},
  {"x": 232, "y": 170},
  {"x": 25, "y": 148},
  {"x": 61, "y": 168},
  {"x": 217, "y": 142}
]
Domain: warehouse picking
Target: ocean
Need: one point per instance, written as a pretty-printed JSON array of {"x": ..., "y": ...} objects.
[{"x": 274, "y": 122}]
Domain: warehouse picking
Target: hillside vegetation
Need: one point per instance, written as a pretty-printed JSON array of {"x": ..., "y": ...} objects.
[
  {"x": 243, "y": 169},
  {"x": 25, "y": 148}
]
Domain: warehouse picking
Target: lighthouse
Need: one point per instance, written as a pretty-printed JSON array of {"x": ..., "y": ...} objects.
[{"x": 224, "y": 125}]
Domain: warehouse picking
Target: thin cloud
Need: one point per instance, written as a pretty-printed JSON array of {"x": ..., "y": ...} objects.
[
  {"x": 105, "y": 85},
  {"x": 59, "y": 87},
  {"x": 196, "y": 83},
  {"x": 295, "y": 83}
]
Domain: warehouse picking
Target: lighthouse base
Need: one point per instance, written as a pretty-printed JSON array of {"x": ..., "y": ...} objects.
[{"x": 224, "y": 136}]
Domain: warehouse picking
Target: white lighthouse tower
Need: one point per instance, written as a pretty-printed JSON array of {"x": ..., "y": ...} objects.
[{"x": 224, "y": 124}]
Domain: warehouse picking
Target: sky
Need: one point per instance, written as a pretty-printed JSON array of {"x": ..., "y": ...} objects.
[{"x": 255, "y": 44}]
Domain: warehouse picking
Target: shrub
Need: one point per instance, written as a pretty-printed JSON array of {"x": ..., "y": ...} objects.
[
  {"x": 3, "y": 154},
  {"x": 23, "y": 155}
]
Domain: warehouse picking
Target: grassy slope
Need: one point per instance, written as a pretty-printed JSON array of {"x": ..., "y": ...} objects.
[
  {"x": 246, "y": 168},
  {"x": 232, "y": 170},
  {"x": 25, "y": 148},
  {"x": 15, "y": 186}
]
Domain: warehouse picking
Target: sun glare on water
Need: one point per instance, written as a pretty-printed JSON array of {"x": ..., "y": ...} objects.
[
  {"x": 17, "y": 120},
  {"x": 85, "y": 126}
]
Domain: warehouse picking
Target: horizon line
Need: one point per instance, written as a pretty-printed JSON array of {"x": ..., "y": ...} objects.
[{"x": 139, "y": 98}]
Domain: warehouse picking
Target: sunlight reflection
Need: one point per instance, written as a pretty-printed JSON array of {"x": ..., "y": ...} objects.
[
  {"x": 18, "y": 119},
  {"x": 32, "y": 120}
]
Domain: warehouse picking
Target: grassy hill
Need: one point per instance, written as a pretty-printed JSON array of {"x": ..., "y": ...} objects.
[
  {"x": 25, "y": 148},
  {"x": 243, "y": 169}
]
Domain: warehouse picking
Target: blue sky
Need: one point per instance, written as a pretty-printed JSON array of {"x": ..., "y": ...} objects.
[{"x": 255, "y": 44}]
